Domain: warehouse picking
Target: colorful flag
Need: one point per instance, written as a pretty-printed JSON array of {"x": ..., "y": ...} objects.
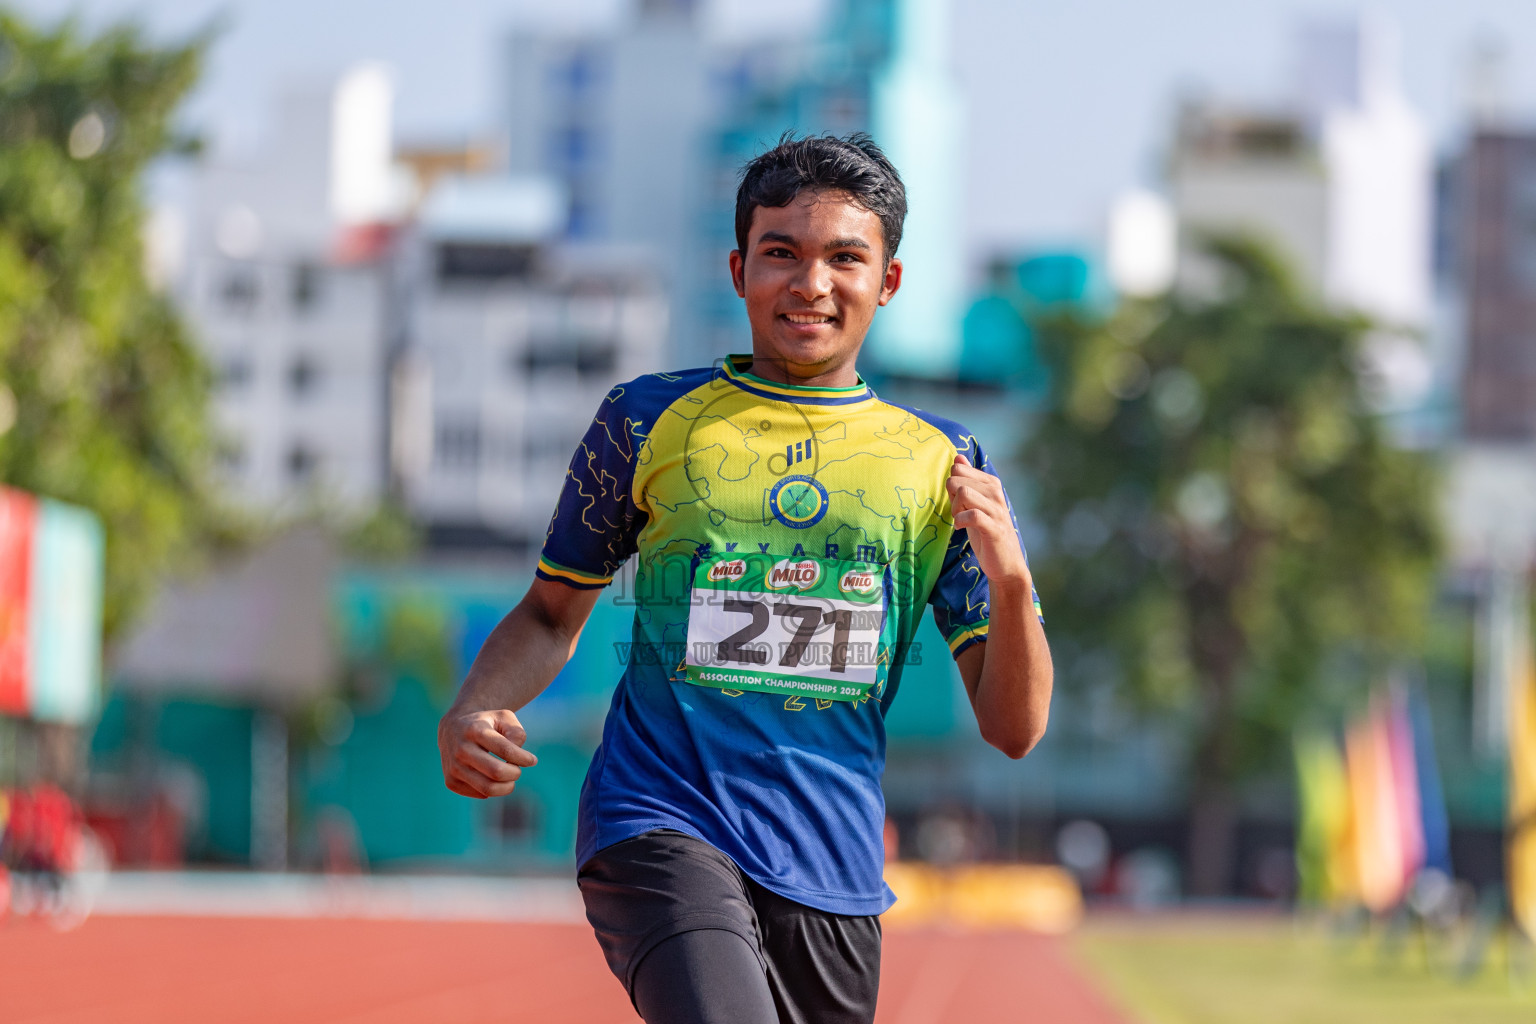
[
  {"x": 1382, "y": 856},
  {"x": 18, "y": 519},
  {"x": 1373, "y": 819},
  {"x": 1522, "y": 783},
  {"x": 1393, "y": 708},
  {"x": 51, "y": 565},
  {"x": 1435, "y": 821},
  {"x": 1325, "y": 833}
]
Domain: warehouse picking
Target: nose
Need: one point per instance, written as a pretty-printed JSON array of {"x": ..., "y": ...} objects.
[{"x": 812, "y": 282}]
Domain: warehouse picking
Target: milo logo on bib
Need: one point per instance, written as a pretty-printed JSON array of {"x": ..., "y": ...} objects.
[
  {"x": 858, "y": 581},
  {"x": 732, "y": 569},
  {"x": 801, "y": 575}
]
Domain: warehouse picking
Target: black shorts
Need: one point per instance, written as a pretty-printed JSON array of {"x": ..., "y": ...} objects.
[{"x": 821, "y": 967}]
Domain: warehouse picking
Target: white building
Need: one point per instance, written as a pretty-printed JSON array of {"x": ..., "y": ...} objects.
[
  {"x": 513, "y": 341},
  {"x": 298, "y": 352},
  {"x": 448, "y": 350},
  {"x": 1340, "y": 179},
  {"x": 1380, "y": 170},
  {"x": 284, "y": 284},
  {"x": 619, "y": 118}
]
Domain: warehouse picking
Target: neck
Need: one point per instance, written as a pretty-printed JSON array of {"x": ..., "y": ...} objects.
[{"x": 839, "y": 375}]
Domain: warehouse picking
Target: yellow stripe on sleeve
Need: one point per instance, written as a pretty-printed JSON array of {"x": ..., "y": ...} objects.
[
  {"x": 977, "y": 630},
  {"x": 571, "y": 574}
]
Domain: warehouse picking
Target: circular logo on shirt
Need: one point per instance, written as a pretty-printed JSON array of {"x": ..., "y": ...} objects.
[
  {"x": 741, "y": 448},
  {"x": 798, "y": 501}
]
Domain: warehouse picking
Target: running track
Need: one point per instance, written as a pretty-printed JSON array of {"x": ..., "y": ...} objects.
[{"x": 169, "y": 970}]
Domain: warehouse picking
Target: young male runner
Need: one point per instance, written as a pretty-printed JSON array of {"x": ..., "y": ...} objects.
[{"x": 789, "y": 527}]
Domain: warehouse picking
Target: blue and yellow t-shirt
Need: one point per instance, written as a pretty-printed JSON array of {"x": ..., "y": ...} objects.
[{"x": 787, "y": 540}]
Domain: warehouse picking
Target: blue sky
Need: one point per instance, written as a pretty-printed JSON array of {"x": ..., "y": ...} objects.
[{"x": 1069, "y": 102}]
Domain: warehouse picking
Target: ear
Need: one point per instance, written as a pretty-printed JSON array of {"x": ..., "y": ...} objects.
[
  {"x": 892, "y": 281},
  {"x": 739, "y": 272}
]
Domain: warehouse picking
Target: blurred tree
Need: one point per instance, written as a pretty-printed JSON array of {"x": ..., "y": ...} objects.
[
  {"x": 103, "y": 401},
  {"x": 1232, "y": 539},
  {"x": 385, "y": 533}
]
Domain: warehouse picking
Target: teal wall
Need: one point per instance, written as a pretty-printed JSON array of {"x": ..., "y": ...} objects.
[
  {"x": 387, "y": 777},
  {"x": 385, "y": 773},
  {"x": 210, "y": 741},
  {"x": 925, "y": 707}
]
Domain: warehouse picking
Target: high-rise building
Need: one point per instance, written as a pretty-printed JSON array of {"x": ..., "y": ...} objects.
[
  {"x": 512, "y": 339},
  {"x": 917, "y": 117},
  {"x": 618, "y": 118},
  {"x": 1252, "y": 172},
  {"x": 879, "y": 66},
  {"x": 649, "y": 127},
  {"x": 763, "y": 92},
  {"x": 438, "y": 342},
  {"x": 1491, "y": 221},
  {"x": 1339, "y": 179},
  {"x": 284, "y": 283}
]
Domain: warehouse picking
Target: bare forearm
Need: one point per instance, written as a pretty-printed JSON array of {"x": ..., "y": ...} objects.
[
  {"x": 1012, "y": 697},
  {"x": 518, "y": 660},
  {"x": 480, "y": 740}
]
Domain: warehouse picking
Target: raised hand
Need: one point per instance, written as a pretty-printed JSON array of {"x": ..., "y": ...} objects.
[{"x": 982, "y": 511}]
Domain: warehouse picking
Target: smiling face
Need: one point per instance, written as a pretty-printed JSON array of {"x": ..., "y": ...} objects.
[{"x": 813, "y": 274}]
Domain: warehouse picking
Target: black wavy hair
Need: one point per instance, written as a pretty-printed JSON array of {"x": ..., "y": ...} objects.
[{"x": 851, "y": 164}]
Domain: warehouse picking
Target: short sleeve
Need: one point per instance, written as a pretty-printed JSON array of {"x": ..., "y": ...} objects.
[
  {"x": 960, "y": 597},
  {"x": 596, "y": 523}
]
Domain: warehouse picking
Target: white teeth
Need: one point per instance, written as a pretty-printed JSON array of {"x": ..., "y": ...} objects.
[{"x": 802, "y": 318}]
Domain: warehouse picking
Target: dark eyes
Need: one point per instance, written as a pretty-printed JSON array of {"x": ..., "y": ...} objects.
[{"x": 781, "y": 253}]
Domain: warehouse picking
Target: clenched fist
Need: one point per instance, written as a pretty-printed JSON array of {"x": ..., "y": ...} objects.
[
  {"x": 981, "y": 510},
  {"x": 482, "y": 751}
]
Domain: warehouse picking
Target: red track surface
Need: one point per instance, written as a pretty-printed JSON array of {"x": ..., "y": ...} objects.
[{"x": 169, "y": 970}]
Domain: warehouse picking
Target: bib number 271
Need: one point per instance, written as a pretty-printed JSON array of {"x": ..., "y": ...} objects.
[
  {"x": 809, "y": 618},
  {"x": 799, "y": 627}
]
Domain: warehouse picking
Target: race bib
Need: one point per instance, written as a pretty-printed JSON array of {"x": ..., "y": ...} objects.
[{"x": 806, "y": 627}]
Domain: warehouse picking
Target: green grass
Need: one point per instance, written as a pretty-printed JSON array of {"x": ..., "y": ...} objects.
[{"x": 1215, "y": 970}]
